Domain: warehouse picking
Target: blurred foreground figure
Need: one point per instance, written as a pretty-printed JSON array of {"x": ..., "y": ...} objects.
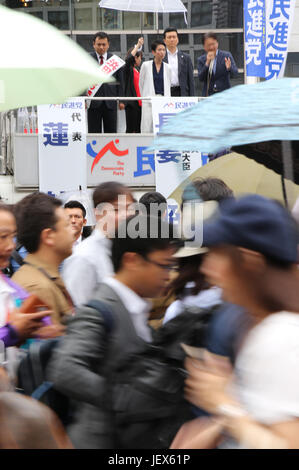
[
  {"x": 96, "y": 356},
  {"x": 27, "y": 424},
  {"x": 91, "y": 262},
  {"x": 15, "y": 326},
  {"x": 252, "y": 257}
]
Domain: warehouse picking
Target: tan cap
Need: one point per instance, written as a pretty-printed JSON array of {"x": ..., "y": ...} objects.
[{"x": 190, "y": 251}]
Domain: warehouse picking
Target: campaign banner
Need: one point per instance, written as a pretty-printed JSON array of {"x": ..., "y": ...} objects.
[
  {"x": 62, "y": 146},
  {"x": 280, "y": 16},
  {"x": 123, "y": 158},
  {"x": 108, "y": 68},
  {"x": 267, "y": 27},
  {"x": 173, "y": 168},
  {"x": 255, "y": 37}
]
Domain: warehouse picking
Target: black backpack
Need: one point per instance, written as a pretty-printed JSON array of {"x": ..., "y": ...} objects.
[
  {"x": 146, "y": 391},
  {"x": 148, "y": 388},
  {"x": 31, "y": 373},
  {"x": 32, "y": 380}
]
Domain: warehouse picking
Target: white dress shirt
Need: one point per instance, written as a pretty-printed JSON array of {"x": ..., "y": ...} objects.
[
  {"x": 207, "y": 298},
  {"x": 99, "y": 57},
  {"x": 77, "y": 242},
  {"x": 137, "y": 307},
  {"x": 89, "y": 265},
  {"x": 174, "y": 64}
]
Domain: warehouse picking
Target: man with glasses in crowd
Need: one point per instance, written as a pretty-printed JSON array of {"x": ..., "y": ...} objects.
[{"x": 90, "y": 355}]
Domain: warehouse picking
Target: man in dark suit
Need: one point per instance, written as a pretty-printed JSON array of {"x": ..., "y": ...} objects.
[
  {"x": 182, "y": 79},
  {"x": 105, "y": 111},
  {"x": 215, "y": 67}
]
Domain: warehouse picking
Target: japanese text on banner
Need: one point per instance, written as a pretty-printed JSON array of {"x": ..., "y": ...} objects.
[
  {"x": 280, "y": 15},
  {"x": 108, "y": 68},
  {"x": 255, "y": 37}
]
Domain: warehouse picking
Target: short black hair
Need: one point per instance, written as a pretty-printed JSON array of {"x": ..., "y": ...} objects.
[
  {"x": 145, "y": 243},
  {"x": 36, "y": 212},
  {"x": 76, "y": 205},
  {"x": 170, "y": 30},
  {"x": 101, "y": 35},
  {"x": 209, "y": 35},
  {"x": 152, "y": 197},
  {"x": 212, "y": 189},
  {"x": 109, "y": 192},
  {"x": 157, "y": 43}
]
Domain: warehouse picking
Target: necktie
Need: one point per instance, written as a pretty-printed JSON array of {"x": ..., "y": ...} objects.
[{"x": 101, "y": 60}]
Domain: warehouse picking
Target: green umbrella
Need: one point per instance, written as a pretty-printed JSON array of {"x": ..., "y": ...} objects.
[
  {"x": 39, "y": 64},
  {"x": 243, "y": 175}
]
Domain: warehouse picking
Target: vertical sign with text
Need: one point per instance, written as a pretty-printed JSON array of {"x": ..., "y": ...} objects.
[
  {"x": 255, "y": 37},
  {"x": 280, "y": 14},
  {"x": 267, "y": 28},
  {"x": 173, "y": 168},
  {"x": 62, "y": 146}
]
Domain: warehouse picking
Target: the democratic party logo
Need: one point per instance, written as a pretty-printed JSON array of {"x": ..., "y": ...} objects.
[
  {"x": 110, "y": 147},
  {"x": 170, "y": 105}
]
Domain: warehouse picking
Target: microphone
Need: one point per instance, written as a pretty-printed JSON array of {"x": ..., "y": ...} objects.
[{"x": 211, "y": 67}]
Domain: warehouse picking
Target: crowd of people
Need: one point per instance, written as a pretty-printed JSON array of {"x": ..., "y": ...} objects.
[
  {"x": 170, "y": 73},
  {"x": 123, "y": 310}
]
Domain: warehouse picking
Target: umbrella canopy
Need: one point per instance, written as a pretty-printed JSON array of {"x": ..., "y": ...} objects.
[
  {"x": 270, "y": 154},
  {"x": 241, "y": 115},
  {"x": 243, "y": 176},
  {"x": 156, "y": 6},
  {"x": 40, "y": 65}
]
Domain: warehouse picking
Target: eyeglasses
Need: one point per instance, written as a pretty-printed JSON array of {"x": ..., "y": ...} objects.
[{"x": 166, "y": 267}]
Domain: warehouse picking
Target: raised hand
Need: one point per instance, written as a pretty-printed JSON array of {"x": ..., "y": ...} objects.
[
  {"x": 140, "y": 42},
  {"x": 206, "y": 384},
  {"x": 26, "y": 324},
  {"x": 228, "y": 63}
]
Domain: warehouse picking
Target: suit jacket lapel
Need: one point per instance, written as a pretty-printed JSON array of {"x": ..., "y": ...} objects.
[
  {"x": 128, "y": 334},
  {"x": 218, "y": 61},
  {"x": 94, "y": 55},
  {"x": 180, "y": 63}
]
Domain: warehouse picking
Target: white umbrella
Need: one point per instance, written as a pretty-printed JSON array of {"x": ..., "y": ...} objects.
[
  {"x": 156, "y": 6},
  {"x": 39, "y": 64}
]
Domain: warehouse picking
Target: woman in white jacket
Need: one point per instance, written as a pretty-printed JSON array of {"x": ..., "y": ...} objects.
[{"x": 155, "y": 79}]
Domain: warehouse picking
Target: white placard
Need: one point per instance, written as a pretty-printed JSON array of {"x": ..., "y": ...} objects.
[
  {"x": 111, "y": 66},
  {"x": 279, "y": 22},
  {"x": 62, "y": 146},
  {"x": 173, "y": 167}
]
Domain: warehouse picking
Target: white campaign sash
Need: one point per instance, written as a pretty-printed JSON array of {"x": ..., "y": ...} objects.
[{"x": 108, "y": 68}]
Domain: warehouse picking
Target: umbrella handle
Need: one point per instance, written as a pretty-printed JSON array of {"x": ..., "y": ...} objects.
[{"x": 288, "y": 170}]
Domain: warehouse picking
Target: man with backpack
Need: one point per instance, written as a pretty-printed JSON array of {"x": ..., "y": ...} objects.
[
  {"x": 107, "y": 339},
  {"x": 44, "y": 230}
]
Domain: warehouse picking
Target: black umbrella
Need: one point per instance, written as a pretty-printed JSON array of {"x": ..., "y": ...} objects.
[{"x": 279, "y": 156}]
